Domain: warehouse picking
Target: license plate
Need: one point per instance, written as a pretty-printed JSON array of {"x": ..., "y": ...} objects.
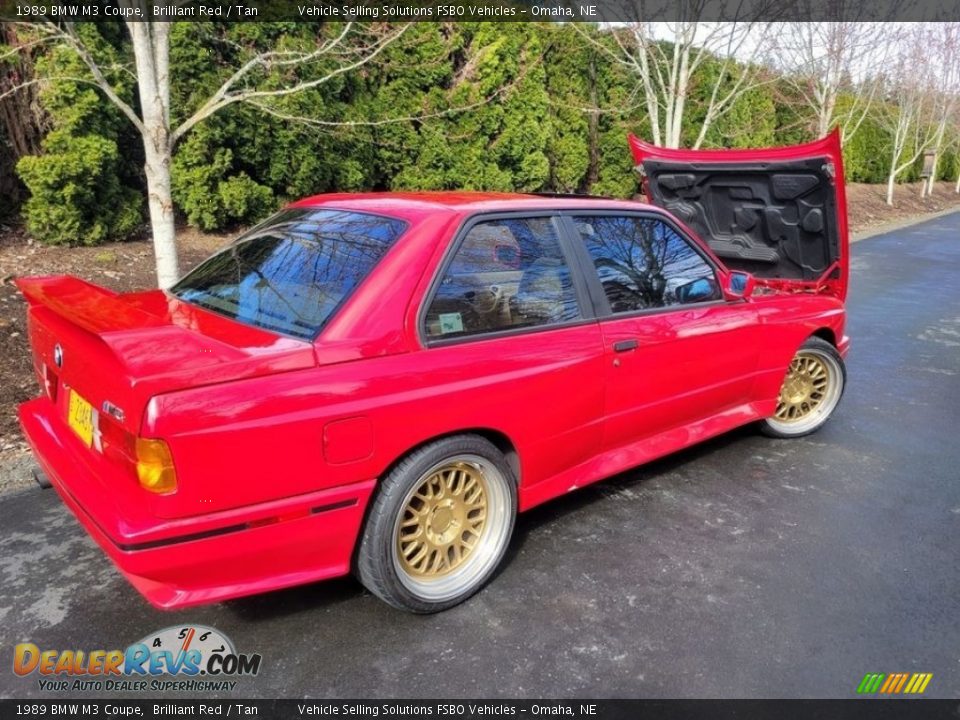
[{"x": 80, "y": 417}]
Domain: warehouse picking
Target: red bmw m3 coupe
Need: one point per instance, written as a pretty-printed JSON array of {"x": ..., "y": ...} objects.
[{"x": 379, "y": 383}]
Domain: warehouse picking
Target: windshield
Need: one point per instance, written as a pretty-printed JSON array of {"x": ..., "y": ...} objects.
[{"x": 290, "y": 273}]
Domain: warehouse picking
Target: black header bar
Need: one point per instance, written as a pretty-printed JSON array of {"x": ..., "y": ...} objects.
[{"x": 855, "y": 709}]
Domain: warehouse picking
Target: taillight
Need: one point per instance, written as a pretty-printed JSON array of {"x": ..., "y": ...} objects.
[
  {"x": 148, "y": 458},
  {"x": 115, "y": 442},
  {"x": 155, "y": 469}
]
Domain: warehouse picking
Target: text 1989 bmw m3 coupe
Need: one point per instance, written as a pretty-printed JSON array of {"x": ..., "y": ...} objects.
[{"x": 381, "y": 382}]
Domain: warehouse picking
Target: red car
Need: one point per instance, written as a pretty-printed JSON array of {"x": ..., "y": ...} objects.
[{"x": 381, "y": 382}]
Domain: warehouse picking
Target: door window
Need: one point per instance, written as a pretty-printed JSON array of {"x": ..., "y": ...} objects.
[
  {"x": 506, "y": 274},
  {"x": 644, "y": 264}
]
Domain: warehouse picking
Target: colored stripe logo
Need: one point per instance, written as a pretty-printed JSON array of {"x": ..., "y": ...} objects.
[{"x": 894, "y": 683}]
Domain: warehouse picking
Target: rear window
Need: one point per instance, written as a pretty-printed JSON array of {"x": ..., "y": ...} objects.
[{"x": 291, "y": 273}]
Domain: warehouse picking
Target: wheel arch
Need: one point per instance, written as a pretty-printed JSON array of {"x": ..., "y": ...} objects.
[
  {"x": 826, "y": 334},
  {"x": 499, "y": 439}
]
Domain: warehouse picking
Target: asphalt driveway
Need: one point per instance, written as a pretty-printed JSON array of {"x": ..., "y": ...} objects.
[{"x": 745, "y": 567}]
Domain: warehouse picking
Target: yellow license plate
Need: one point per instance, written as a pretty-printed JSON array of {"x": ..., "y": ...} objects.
[{"x": 80, "y": 417}]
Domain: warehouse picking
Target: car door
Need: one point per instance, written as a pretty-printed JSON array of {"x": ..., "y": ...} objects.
[
  {"x": 676, "y": 352},
  {"x": 513, "y": 340}
]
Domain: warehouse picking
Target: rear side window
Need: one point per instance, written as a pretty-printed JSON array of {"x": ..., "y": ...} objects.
[
  {"x": 643, "y": 263},
  {"x": 292, "y": 272},
  {"x": 506, "y": 274}
]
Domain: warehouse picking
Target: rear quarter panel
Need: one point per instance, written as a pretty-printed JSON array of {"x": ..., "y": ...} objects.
[{"x": 255, "y": 440}]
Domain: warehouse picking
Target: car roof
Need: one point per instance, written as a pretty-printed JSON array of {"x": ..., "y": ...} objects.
[{"x": 417, "y": 204}]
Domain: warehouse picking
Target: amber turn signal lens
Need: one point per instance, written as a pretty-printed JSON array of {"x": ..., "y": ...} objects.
[{"x": 155, "y": 466}]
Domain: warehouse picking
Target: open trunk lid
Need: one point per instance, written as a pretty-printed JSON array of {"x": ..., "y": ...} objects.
[
  {"x": 122, "y": 349},
  {"x": 779, "y": 213}
]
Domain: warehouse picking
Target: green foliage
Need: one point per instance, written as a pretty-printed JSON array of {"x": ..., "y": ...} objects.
[
  {"x": 210, "y": 186},
  {"x": 487, "y": 106},
  {"x": 75, "y": 193},
  {"x": 751, "y": 121},
  {"x": 489, "y": 130},
  {"x": 866, "y": 156},
  {"x": 83, "y": 187},
  {"x": 949, "y": 164}
]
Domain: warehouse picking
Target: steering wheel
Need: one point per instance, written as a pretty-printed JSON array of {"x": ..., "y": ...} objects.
[{"x": 485, "y": 301}]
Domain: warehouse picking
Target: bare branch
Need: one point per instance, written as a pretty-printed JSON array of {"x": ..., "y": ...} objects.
[
  {"x": 17, "y": 88},
  {"x": 68, "y": 35},
  {"x": 500, "y": 92},
  {"x": 821, "y": 60},
  {"x": 14, "y": 51},
  {"x": 108, "y": 90},
  {"x": 47, "y": 79},
  {"x": 667, "y": 56},
  {"x": 223, "y": 97}
]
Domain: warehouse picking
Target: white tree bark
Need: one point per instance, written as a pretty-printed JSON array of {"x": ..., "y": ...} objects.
[
  {"x": 907, "y": 112},
  {"x": 665, "y": 56},
  {"x": 929, "y": 183},
  {"x": 151, "y": 51},
  {"x": 906, "y": 126},
  {"x": 822, "y": 59},
  {"x": 943, "y": 47}
]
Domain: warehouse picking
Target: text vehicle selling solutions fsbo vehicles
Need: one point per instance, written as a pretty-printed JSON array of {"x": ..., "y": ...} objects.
[{"x": 379, "y": 383}]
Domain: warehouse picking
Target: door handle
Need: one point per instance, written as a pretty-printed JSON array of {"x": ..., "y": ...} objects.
[{"x": 625, "y": 346}]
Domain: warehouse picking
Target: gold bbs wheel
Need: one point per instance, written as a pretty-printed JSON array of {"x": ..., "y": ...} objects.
[
  {"x": 804, "y": 388},
  {"x": 452, "y": 527},
  {"x": 443, "y": 521},
  {"x": 810, "y": 391},
  {"x": 439, "y": 524}
]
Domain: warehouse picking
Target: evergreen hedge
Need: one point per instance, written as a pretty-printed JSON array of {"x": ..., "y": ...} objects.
[{"x": 468, "y": 106}]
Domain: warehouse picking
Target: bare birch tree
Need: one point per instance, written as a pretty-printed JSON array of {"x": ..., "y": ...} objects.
[
  {"x": 906, "y": 114},
  {"x": 821, "y": 60},
  {"x": 666, "y": 56},
  {"x": 349, "y": 47},
  {"x": 943, "y": 47}
]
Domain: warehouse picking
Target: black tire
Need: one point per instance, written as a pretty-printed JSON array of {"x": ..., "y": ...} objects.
[
  {"x": 429, "y": 505},
  {"x": 817, "y": 370}
]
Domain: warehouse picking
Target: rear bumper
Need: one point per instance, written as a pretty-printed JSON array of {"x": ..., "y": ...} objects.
[{"x": 207, "y": 557}]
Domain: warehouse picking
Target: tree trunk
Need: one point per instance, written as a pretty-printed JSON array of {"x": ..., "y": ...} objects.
[
  {"x": 151, "y": 52},
  {"x": 21, "y": 113},
  {"x": 157, "y": 169},
  {"x": 593, "y": 126},
  {"x": 890, "y": 182},
  {"x": 22, "y": 121},
  {"x": 825, "y": 112}
]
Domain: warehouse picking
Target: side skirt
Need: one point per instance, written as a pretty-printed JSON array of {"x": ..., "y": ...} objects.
[{"x": 629, "y": 456}]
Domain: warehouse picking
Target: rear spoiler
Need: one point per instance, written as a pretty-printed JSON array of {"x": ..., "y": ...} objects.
[{"x": 90, "y": 307}]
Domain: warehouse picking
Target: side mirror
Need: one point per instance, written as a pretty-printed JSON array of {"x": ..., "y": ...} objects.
[
  {"x": 740, "y": 285},
  {"x": 698, "y": 291}
]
